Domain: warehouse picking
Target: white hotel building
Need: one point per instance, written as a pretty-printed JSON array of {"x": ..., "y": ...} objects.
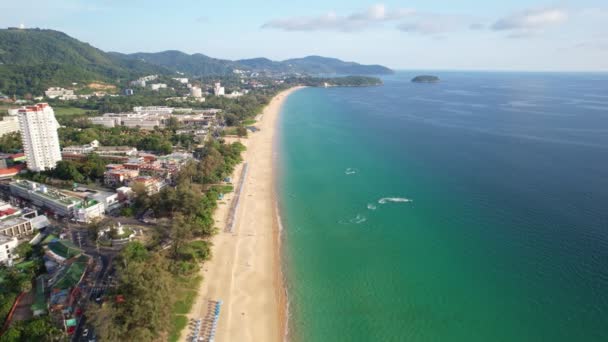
[{"x": 38, "y": 128}]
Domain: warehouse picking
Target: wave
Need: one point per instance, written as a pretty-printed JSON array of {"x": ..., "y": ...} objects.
[
  {"x": 358, "y": 219},
  {"x": 355, "y": 220},
  {"x": 350, "y": 171},
  {"x": 370, "y": 206},
  {"x": 385, "y": 200}
]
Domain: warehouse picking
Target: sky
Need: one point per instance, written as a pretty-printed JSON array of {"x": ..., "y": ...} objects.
[{"x": 527, "y": 35}]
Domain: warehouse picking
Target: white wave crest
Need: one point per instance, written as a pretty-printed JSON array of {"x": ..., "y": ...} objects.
[
  {"x": 350, "y": 171},
  {"x": 385, "y": 200},
  {"x": 370, "y": 206}
]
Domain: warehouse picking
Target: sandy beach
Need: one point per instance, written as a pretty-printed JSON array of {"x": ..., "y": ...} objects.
[{"x": 245, "y": 271}]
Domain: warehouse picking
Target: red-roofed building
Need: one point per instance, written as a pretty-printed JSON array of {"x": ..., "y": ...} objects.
[{"x": 11, "y": 171}]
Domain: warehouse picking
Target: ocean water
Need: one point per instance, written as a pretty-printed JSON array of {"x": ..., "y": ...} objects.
[{"x": 471, "y": 210}]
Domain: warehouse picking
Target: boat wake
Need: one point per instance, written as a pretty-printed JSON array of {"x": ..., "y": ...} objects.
[
  {"x": 350, "y": 171},
  {"x": 385, "y": 200}
]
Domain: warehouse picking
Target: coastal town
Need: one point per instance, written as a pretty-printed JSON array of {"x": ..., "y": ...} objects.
[
  {"x": 68, "y": 212},
  {"x": 139, "y": 188}
]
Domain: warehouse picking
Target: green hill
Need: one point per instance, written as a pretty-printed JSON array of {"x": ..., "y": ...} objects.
[
  {"x": 32, "y": 60},
  {"x": 325, "y": 65},
  {"x": 195, "y": 64}
]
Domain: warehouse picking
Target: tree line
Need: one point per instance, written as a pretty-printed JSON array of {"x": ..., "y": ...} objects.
[{"x": 140, "y": 308}]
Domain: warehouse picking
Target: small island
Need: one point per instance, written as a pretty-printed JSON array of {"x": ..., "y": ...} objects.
[{"x": 425, "y": 79}]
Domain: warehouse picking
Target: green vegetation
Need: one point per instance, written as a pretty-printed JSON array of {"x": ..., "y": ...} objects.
[
  {"x": 159, "y": 287},
  {"x": 222, "y": 189},
  {"x": 37, "y": 329},
  {"x": 31, "y": 60},
  {"x": 146, "y": 286},
  {"x": 69, "y": 111},
  {"x": 18, "y": 279},
  {"x": 90, "y": 169},
  {"x": 11, "y": 142},
  {"x": 160, "y": 141},
  {"x": 185, "y": 294},
  {"x": 347, "y": 81},
  {"x": 178, "y": 323}
]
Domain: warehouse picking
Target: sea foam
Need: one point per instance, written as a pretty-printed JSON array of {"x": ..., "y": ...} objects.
[{"x": 350, "y": 171}]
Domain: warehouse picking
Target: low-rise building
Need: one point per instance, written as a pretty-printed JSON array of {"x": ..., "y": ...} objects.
[
  {"x": 138, "y": 83},
  {"x": 104, "y": 121},
  {"x": 218, "y": 90},
  {"x": 117, "y": 177},
  {"x": 116, "y": 151},
  {"x": 81, "y": 149},
  {"x": 157, "y": 86},
  {"x": 151, "y": 184},
  {"x": 9, "y": 124},
  {"x": 88, "y": 210},
  {"x": 46, "y": 197},
  {"x": 7, "y": 245},
  {"x": 23, "y": 225},
  {"x": 124, "y": 193},
  {"x": 56, "y": 92},
  {"x": 196, "y": 92},
  {"x": 153, "y": 110}
]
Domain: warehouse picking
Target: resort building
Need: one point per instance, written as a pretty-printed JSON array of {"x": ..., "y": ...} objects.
[
  {"x": 150, "y": 117},
  {"x": 45, "y": 197},
  {"x": 38, "y": 128},
  {"x": 9, "y": 124}
]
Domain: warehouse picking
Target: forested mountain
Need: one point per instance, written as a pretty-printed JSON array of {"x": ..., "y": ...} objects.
[
  {"x": 324, "y": 65},
  {"x": 202, "y": 65},
  {"x": 32, "y": 60},
  {"x": 196, "y": 64}
]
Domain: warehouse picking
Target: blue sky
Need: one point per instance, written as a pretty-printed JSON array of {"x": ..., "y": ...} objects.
[{"x": 430, "y": 34}]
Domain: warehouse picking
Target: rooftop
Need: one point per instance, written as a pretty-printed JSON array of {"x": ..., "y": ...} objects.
[{"x": 51, "y": 193}]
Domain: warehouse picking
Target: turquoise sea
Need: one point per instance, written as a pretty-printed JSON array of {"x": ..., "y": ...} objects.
[{"x": 475, "y": 209}]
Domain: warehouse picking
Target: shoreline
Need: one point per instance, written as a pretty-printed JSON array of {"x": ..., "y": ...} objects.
[{"x": 245, "y": 271}]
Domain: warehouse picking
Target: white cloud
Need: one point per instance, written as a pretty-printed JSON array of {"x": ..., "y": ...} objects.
[
  {"x": 429, "y": 27},
  {"x": 532, "y": 19},
  {"x": 374, "y": 15}
]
